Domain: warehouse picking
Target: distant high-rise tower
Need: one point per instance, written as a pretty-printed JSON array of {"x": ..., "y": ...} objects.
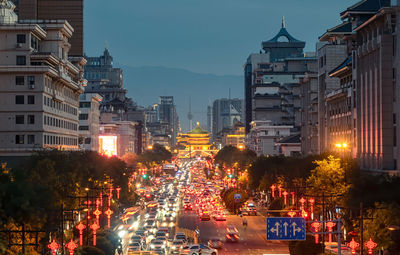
[
  {"x": 70, "y": 10},
  {"x": 190, "y": 114}
]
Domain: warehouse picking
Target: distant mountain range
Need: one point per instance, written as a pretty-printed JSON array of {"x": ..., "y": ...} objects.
[{"x": 145, "y": 84}]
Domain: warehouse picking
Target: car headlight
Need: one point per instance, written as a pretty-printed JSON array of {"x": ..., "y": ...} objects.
[{"x": 152, "y": 246}]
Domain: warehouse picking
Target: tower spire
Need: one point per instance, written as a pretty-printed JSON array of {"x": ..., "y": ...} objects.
[{"x": 283, "y": 22}]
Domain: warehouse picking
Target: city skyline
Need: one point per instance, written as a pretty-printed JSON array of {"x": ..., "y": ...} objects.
[{"x": 182, "y": 31}]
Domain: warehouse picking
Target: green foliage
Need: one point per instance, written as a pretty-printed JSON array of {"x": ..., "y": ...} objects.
[
  {"x": 384, "y": 215},
  {"x": 229, "y": 155},
  {"x": 228, "y": 198},
  {"x": 156, "y": 156}
]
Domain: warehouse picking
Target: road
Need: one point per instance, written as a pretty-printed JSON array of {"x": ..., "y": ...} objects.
[{"x": 252, "y": 240}]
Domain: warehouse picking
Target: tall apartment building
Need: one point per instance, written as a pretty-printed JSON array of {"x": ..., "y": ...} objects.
[
  {"x": 40, "y": 85},
  {"x": 167, "y": 114},
  {"x": 70, "y": 10},
  {"x": 225, "y": 113},
  {"x": 272, "y": 89},
  {"x": 89, "y": 120}
]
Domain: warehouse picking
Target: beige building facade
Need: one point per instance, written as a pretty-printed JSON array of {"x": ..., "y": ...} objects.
[
  {"x": 40, "y": 85},
  {"x": 89, "y": 118}
]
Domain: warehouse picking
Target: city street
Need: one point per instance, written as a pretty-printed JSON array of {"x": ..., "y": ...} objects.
[{"x": 252, "y": 239}]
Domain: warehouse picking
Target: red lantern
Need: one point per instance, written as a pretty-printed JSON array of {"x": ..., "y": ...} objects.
[
  {"x": 370, "y": 245},
  {"x": 94, "y": 227},
  {"x": 71, "y": 246},
  {"x": 97, "y": 213},
  {"x": 118, "y": 189},
  {"x": 53, "y": 246},
  {"x": 285, "y": 193},
  {"x": 101, "y": 198},
  {"x": 280, "y": 190},
  {"x": 80, "y": 227},
  {"x": 330, "y": 225},
  {"x": 312, "y": 201},
  {"x": 108, "y": 213},
  {"x": 316, "y": 225},
  {"x": 291, "y": 213},
  {"x": 302, "y": 201},
  {"x": 273, "y": 187},
  {"x": 292, "y": 193},
  {"x": 304, "y": 214},
  {"x": 353, "y": 245}
]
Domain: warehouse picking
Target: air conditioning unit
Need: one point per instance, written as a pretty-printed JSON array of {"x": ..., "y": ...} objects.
[
  {"x": 31, "y": 86},
  {"x": 19, "y": 45}
]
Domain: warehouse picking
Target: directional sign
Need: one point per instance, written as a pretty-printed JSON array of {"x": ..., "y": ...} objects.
[
  {"x": 237, "y": 196},
  {"x": 285, "y": 228}
]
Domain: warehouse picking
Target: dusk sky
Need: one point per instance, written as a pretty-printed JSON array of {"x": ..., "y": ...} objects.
[{"x": 205, "y": 36}]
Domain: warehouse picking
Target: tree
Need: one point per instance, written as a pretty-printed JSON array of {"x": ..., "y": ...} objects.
[
  {"x": 130, "y": 159},
  {"x": 156, "y": 156}
]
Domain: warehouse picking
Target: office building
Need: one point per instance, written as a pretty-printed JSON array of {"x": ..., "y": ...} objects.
[
  {"x": 224, "y": 114},
  {"x": 40, "y": 85},
  {"x": 89, "y": 117},
  {"x": 167, "y": 115},
  {"x": 70, "y": 10}
]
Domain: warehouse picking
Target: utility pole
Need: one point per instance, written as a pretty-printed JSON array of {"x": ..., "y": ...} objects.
[{"x": 361, "y": 229}]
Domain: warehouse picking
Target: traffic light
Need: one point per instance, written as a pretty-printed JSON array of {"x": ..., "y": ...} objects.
[
  {"x": 144, "y": 176},
  {"x": 230, "y": 176}
]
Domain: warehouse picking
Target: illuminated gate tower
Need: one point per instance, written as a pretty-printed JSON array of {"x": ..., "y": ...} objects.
[{"x": 196, "y": 142}]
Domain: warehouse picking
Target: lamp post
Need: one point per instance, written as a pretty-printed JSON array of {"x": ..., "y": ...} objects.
[{"x": 342, "y": 147}]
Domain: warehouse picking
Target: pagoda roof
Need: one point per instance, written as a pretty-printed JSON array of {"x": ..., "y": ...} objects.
[
  {"x": 198, "y": 130},
  {"x": 283, "y": 32},
  {"x": 344, "y": 65},
  {"x": 366, "y": 6}
]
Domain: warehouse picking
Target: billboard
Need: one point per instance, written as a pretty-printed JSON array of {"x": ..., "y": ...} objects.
[{"x": 108, "y": 145}]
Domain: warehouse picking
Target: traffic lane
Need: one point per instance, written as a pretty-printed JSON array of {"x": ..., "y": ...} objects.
[{"x": 252, "y": 239}]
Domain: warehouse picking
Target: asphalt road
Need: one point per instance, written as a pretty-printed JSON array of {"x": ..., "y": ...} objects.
[{"x": 252, "y": 240}]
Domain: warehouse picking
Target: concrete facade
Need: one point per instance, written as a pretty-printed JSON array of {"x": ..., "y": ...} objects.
[
  {"x": 225, "y": 113},
  {"x": 40, "y": 89},
  {"x": 89, "y": 118}
]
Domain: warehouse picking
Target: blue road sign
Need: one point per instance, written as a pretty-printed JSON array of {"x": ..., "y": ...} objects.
[
  {"x": 285, "y": 228},
  {"x": 237, "y": 196}
]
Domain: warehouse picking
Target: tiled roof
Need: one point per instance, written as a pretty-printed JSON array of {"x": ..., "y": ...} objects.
[
  {"x": 345, "y": 63},
  {"x": 367, "y": 6},
  {"x": 291, "y": 139}
]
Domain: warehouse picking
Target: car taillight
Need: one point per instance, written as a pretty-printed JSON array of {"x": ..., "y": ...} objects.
[
  {"x": 236, "y": 236},
  {"x": 227, "y": 236}
]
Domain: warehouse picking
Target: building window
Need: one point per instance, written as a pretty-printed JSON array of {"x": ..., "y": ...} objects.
[
  {"x": 21, "y": 60},
  {"x": 31, "y": 99},
  {"x": 21, "y": 38},
  {"x": 19, "y": 100},
  {"x": 83, "y": 116},
  {"x": 19, "y": 139},
  {"x": 84, "y": 104},
  {"x": 31, "y": 80},
  {"x": 19, "y": 119},
  {"x": 31, "y": 139},
  {"x": 31, "y": 119},
  {"x": 83, "y": 127},
  {"x": 19, "y": 80}
]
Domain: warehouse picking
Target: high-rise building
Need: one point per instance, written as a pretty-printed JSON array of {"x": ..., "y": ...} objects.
[
  {"x": 89, "y": 117},
  {"x": 40, "y": 85},
  {"x": 167, "y": 114},
  {"x": 272, "y": 89},
  {"x": 70, "y": 10},
  {"x": 224, "y": 114}
]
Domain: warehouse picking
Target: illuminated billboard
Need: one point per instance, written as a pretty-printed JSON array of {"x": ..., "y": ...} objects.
[{"x": 108, "y": 145}]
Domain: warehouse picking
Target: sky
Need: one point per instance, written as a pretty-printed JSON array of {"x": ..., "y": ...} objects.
[{"x": 204, "y": 36}]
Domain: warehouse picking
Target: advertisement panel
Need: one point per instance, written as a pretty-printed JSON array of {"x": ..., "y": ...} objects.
[{"x": 108, "y": 145}]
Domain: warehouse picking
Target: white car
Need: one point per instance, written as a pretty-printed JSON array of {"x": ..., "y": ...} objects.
[{"x": 200, "y": 249}]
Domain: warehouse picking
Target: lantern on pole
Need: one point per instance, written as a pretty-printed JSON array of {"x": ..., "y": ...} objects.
[
  {"x": 118, "y": 189},
  {"x": 97, "y": 213},
  {"x": 285, "y": 193},
  {"x": 292, "y": 193},
  {"x": 304, "y": 214},
  {"x": 353, "y": 246},
  {"x": 273, "y": 187},
  {"x": 330, "y": 225},
  {"x": 94, "y": 227},
  {"x": 302, "y": 201},
  {"x": 280, "y": 190},
  {"x": 71, "y": 246},
  {"x": 108, "y": 213},
  {"x": 316, "y": 225},
  {"x": 291, "y": 213},
  {"x": 101, "y": 198},
  {"x": 370, "y": 245},
  {"x": 312, "y": 201},
  {"x": 81, "y": 227},
  {"x": 53, "y": 246}
]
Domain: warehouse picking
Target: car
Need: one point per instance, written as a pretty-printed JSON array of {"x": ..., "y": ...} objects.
[
  {"x": 232, "y": 234},
  {"x": 215, "y": 243},
  {"x": 220, "y": 217},
  {"x": 176, "y": 246},
  {"x": 156, "y": 244},
  {"x": 205, "y": 216},
  {"x": 188, "y": 207},
  {"x": 169, "y": 217},
  {"x": 181, "y": 236},
  {"x": 160, "y": 234},
  {"x": 198, "y": 249},
  {"x": 134, "y": 247}
]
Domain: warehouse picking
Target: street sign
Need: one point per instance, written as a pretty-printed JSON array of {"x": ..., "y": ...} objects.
[
  {"x": 285, "y": 228},
  {"x": 237, "y": 196}
]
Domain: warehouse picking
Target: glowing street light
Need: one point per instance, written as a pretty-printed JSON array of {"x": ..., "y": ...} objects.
[
  {"x": 53, "y": 246},
  {"x": 97, "y": 213},
  {"x": 94, "y": 227},
  {"x": 312, "y": 201},
  {"x": 273, "y": 187},
  {"x": 316, "y": 225},
  {"x": 108, "y": 213},
  {"x": 280, "y": 190},
  {"x": 302, "y": 201},
  {"x": 118, "y": 189},
  {"x": 285, "y": 194},
  {"x": 293, "y": 201}
]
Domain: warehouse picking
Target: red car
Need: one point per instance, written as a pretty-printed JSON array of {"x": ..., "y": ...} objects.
[{"x": 188, "y": 207}]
